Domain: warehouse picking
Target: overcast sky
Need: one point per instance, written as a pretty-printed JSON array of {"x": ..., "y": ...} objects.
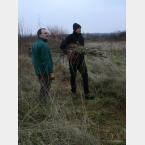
[{"x": 95, "y": 16}]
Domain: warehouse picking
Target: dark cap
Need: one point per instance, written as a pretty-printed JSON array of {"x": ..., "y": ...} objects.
[{"x": 76, "y": 26}]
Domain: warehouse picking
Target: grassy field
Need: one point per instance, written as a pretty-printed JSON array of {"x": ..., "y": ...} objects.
[{"x": 64, "y": 121}]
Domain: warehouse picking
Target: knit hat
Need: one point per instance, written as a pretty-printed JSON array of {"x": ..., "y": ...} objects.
[{"x": 76, "y": 26}]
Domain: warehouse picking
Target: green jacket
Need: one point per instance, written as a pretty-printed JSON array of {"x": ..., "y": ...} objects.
[{"x": 41, "y": 57}]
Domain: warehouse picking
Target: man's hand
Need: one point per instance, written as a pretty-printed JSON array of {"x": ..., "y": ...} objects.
[{"x": 52, "y": 77}]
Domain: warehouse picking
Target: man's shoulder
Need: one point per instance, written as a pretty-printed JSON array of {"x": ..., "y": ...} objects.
[
  {"x": 69, "y": 36},
  {"x": 36, "y": 46},
  {"x": 72, "y": 35},
  {"x": 38, "y": 43}
]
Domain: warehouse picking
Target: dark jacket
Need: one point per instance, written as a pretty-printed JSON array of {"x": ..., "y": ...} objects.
[
  {"x": 41, "y": 57},
  {"x": 72, "y": 38}
]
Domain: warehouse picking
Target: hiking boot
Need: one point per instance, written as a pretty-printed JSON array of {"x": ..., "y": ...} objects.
[{"x": 89, "y": 97}]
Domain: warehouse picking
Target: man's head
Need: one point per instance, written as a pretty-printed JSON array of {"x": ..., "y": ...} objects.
[
  {"x": 42, "y": 33},
  {"x": 77, "y": 28}
]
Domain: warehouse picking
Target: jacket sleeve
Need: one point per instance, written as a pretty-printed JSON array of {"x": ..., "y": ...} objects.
[
  {"x": 82, "y": 40},
  {"x": 36, "y": 59},
  {"x": 50, "y": 60},
  {"x": 46, "y": 58},
  {"x": 64, "y": 44}
]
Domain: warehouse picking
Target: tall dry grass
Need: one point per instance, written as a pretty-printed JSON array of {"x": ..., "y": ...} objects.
[{"x": 64, "y": 121}]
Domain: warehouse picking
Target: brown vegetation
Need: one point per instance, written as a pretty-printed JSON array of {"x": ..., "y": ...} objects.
[{"x": 64, "y": 121}]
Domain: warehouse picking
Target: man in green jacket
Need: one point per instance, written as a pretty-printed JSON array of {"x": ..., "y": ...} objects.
[{"x": 42, "y": 62}]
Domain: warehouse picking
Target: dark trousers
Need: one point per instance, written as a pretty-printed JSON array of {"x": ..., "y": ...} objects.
[
  {"x": 80, "y": 65},
  {"x": 44, "y": 87}
]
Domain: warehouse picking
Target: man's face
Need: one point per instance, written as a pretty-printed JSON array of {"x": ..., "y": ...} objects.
[
  {"x": 44, "y": 34},
  {"x": 78, "y": 30}
]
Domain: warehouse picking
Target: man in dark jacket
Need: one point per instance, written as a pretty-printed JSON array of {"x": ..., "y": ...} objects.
[
  {"x": 43, "y": 64},
  {"x": 73, "y": 46}
]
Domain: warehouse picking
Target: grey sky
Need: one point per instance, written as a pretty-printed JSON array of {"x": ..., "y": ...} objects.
[{"x": 93, "y": 15}]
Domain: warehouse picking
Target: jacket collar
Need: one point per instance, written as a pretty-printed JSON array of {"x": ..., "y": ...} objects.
[
  {"x": 78, "y": 34},
  {"x": 39, "y": 38}
]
